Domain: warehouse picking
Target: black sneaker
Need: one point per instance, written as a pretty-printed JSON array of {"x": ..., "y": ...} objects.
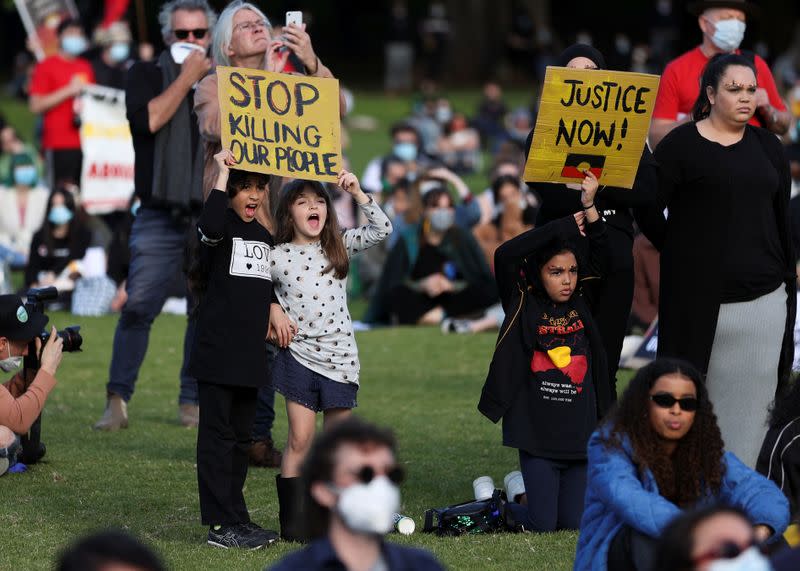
[
  {"x": 237, "y": 535},
  {"x": 268, "y": 535}
]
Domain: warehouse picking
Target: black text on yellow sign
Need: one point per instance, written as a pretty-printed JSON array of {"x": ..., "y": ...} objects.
[
  {"x": 591, "y": 120},
  {"x": 281, "y": 124}
]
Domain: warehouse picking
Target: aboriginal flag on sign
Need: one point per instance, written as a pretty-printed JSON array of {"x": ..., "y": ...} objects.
[{"x": 577, "y": 163}]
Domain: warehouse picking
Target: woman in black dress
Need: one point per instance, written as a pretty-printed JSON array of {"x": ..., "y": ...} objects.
[{"x": 727, "y": 266}]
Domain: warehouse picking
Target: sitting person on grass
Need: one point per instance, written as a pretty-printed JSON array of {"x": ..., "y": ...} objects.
[
  {"x": 658, "y": 454},
  {"x": 435, "y": 270},
  {"x": 58, "y": 246},
  {"x": 516, "y": 216},
  {"x": 351, "y": 477}
]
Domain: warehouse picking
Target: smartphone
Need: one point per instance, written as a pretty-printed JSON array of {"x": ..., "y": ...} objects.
[{"x": 295, "y": 17}]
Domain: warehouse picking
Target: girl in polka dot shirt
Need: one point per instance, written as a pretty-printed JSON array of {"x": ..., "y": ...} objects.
[{"x": 317, "y": 368}]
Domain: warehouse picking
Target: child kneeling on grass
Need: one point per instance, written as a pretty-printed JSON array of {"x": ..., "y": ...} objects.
[
  {"x": 318, "y": 369},
  {"x": 548, "y": 378},
  {"x": 229, "y": 357}
]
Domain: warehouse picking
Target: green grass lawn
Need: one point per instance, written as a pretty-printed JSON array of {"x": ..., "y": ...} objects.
[{"x": 421, "y": 383}]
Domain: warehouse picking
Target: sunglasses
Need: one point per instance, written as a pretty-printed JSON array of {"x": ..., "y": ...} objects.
[
  {"x": 198, "y": 33},
  {"x": 367, "y": 473},
  {"x": 728, "y": 550},
  {"x": 666, "y": 400}
]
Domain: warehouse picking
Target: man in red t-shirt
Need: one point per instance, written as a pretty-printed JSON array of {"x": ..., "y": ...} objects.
[
  {"x": 723, "y": 24},
  {"x": 56, "y": 81}
]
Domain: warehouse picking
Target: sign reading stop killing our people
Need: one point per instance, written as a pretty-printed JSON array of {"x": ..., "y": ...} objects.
[
  {"x": 286, "y": 125},
  {"x": 594, "y": 120}
]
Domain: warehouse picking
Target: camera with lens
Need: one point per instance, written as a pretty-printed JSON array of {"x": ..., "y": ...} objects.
[{"x": 32, "y": 447}]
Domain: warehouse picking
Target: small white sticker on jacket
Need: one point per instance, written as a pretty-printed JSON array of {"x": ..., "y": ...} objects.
[{"x": 250, "y": 259}]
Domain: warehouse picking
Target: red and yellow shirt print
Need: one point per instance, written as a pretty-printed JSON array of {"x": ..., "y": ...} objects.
[{"x": 560, "y": 357}]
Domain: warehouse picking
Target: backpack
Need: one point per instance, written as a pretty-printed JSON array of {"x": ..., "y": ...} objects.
[{"x": 472, "y": 517}]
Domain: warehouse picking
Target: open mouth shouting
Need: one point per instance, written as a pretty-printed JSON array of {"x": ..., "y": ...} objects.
[
  {"x": 250, "y": 209},
  {"x": 313, "y": 221}
]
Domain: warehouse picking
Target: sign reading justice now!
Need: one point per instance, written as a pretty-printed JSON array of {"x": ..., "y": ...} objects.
[
  {"x": 593, "y": 120},
  {"x": 287, "y": 125}
]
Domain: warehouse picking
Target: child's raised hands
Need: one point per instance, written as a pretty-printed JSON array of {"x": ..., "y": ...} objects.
[
  {"x": 224, "y": 160},
  {"x": 349, "y": 183},
  {"x": 589, "y": 186}
]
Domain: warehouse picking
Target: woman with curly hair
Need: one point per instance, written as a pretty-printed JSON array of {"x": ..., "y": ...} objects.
[{"x": 657, "y": 454}]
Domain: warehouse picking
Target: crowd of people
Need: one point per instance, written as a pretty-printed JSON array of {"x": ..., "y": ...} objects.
[{"x": 705, "y": 244}]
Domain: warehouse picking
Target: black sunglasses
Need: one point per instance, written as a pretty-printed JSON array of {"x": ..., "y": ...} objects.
[
  {"x": 728, "y": 550},
  {"x": 198, "y": 33},
  {"x": 367, "y": 473},
  {"x": 666, "y": 400}
]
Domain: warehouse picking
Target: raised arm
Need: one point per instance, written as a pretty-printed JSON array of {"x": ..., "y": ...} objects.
[
  {"x": 161, "y": 108},
  {"x": 378, "y": 226},
  {"x": 211, "y": 224},
  {"x": 206, "y": 107}
]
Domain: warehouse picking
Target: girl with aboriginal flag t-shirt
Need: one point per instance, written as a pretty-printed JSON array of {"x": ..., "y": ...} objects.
[{"x": 548, "y": 379}]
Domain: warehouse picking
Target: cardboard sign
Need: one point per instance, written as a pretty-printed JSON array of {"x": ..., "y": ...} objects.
[
  {"x": 107, "y": 172},
  {"x": 287, "y": 125},
  {"x": 593, "y": 120},
  {"x": 41, "y": 19}
]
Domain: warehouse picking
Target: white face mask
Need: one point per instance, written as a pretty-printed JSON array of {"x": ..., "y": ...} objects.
[
  {"x": 728, "y": 34},
  {"x": 12, "y": 363},
  {"x": 369, "y": 508},
  {"x": 748, "y": 560}
]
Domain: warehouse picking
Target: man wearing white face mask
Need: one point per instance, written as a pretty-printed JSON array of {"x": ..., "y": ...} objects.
[
  {"x": 723, "y": 23},
  {"x": 55, "y": 82},
  {"x": 168, "y": 174},
  {"x": 22, "y": 398},
  {"x": 351, "y": 477}
]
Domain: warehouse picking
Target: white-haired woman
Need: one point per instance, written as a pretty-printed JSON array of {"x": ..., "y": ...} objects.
[{"x": 243, "y": 38}]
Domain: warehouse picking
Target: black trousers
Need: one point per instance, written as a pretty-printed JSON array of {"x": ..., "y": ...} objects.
[
  {"x": 409, "y": 305},
  {"x": 613, "y": 306},
  {"x": 223, "y": 437},
  {"x": 64, "y": 165},
  {"x": 631, "y": 550}
]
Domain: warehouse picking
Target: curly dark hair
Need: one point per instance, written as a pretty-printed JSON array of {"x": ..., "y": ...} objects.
[{"x": 696, "y": 467}]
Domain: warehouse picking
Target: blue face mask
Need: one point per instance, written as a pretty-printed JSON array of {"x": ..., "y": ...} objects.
[
  {"x": 119, "y": 52},
  {"x": 25, "y": 175},
  {"x": 60, "y": 215},
  {"x": 405, "y": 151},
  {"x": 73, "y": 45}
]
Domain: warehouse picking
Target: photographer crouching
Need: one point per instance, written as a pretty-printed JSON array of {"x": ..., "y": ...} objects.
[{"x": 22, "y": 398}]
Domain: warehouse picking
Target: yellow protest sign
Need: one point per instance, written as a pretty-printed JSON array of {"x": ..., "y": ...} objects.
[
  {"x": 591, "y": 119},
  {"x": 287, "y": 125}
]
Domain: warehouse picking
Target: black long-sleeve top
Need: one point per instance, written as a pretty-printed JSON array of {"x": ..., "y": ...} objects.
[
  {"x": 542, "y": 422},
  {"x": 54, "y": 256},
  {"x": 726, "y": 236},
  {"x": 233, "y": 317}
]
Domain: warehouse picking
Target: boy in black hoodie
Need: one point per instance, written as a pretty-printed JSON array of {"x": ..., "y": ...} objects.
[{"x": 548, "y": 378}]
